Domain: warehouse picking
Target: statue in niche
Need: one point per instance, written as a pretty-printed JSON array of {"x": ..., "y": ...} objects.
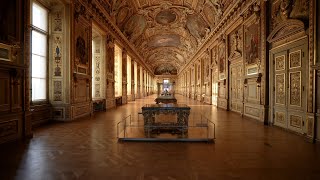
[
  {"x": 214, "y": 56},
  {"x": 81, "y": 54},
  {"x": 236, "y": 46}
]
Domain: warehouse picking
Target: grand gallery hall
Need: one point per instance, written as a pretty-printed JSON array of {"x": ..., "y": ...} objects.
[{"x": 159, "y": 89}]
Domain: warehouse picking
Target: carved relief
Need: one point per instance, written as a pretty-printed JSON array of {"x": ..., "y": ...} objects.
[
  {"x": 280, "y": 89},
  {"x": 280, "y": 63},
  {"x": 295, "y": 59},
  {"x": 252, "y": 111},
  {"x": 295, "y": 88},
  {"x": 310, "y": 126},
  {"x": 280, "y": 117},
  {"x": 97, "y": 68},
  {"x": 57, "y": 21},
  {"x": 57, "y": 49},
  {"x": 97, "y": 90},
  {"x": 295, "y": 121},
  {"x": 57, "y": 90}
]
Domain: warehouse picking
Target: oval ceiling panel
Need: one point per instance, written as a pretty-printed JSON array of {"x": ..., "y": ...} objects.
[
  {"x": 166, "y": 17},
  {"x": 167, "y": 40}
]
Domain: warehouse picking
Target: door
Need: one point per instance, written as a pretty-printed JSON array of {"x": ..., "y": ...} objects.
[
  {"x": 236, "y": 88},
  {"x": 289, "y": 93}
]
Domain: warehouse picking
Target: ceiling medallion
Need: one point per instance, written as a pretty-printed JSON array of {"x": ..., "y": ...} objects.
[{"x": 165, "y": 17}]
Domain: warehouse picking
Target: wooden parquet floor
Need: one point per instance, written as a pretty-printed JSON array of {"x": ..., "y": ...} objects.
[{"x": 88, "y": 149}]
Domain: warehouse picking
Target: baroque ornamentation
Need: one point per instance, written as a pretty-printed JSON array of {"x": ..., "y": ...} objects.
[
  {"x": 280, "y": 63},
  {"x": 57, "y": 21},
  {"x": 57, "y": 54},
  {"x": 280, "y": 117},
  {"x": 57, "y": 90},
  {"x": 280, "y": 89},
  {"x": 295, "y": 88},
  {"x": 296, "y": 121},
  {"x": 295, "y": 59}
]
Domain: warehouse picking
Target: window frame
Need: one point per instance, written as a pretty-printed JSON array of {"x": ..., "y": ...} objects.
[{"x": 46, "y": 33}]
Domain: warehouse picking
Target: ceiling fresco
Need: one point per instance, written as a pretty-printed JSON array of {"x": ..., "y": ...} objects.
[
  {"x": 167, "y": 33},
  {"x": 165, "y": 69}
]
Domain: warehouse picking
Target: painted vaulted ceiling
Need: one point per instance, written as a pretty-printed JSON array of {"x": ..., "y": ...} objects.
[{"x": 167, "y": 32}]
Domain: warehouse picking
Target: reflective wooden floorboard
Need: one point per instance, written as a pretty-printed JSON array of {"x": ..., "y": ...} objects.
[{"x": 88, "y": 149}]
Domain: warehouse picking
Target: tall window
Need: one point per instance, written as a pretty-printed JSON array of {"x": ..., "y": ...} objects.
[
  {"x": 135, "y": 78},
  {"x": 118, "y": 71},
  {"x": 129, "y": 75},
  {"x": 39, "y": 52}
]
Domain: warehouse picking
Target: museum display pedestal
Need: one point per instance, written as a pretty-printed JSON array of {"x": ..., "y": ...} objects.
[
  {"x": 152, "y": 124},
  {"x": 166, "y": 123}
]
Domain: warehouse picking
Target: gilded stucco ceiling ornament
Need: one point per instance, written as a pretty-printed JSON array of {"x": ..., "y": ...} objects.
[
  {"x": 213, "y": 10},
  {"x": 167, "y": 31},
  {"x": 165, "y": 28}
]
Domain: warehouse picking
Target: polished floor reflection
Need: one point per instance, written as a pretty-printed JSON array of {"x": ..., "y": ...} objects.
[{"x": 88, "y": 149}]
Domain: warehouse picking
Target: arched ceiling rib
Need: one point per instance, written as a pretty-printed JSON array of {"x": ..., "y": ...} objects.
[{"x": 167, "y": 33}]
